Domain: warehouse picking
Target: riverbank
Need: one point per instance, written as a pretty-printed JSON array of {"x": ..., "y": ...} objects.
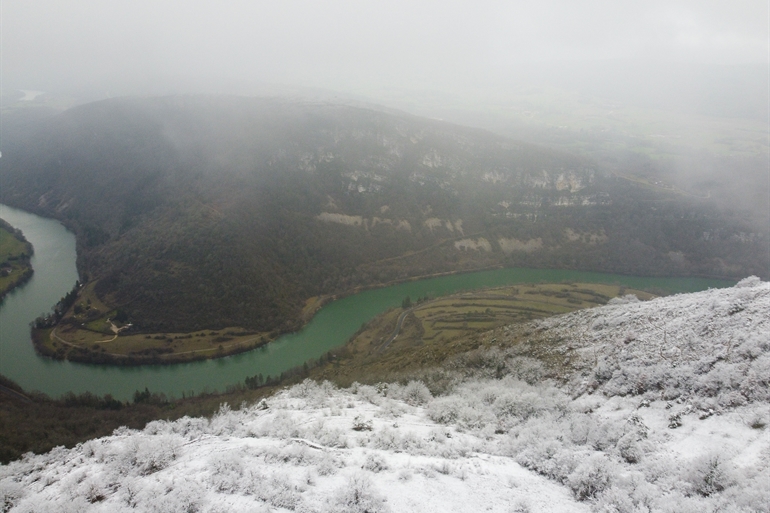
[
  {"x": 65, "y": 342},
  {"x": 15, "y": 255},
  {"x": 87, "y": 332}
]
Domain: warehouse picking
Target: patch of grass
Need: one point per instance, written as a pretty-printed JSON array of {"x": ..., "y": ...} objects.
[
  {"x": 438, "y": 329},
  {"x": 15, "y": 252},
  {"x": 87, "y": 345}
]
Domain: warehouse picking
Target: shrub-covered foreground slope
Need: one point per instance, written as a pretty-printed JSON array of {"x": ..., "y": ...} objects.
[{"x": 661, "y": 406}]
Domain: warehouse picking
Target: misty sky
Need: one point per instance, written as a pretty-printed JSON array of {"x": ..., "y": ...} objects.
[{"x": 348, "y": 44}]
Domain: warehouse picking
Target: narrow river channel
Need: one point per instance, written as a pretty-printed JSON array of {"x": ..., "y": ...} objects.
[{"x": 55, "y": 274}]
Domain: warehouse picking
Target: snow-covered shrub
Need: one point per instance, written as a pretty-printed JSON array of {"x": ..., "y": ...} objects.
[
  {"x": 386, "y": 439},
  {"x": 548, "y": 457},
  {"x": 158, "y": 427},
  {"x": 391, "y": 409},
  {"x": 628, "y": 494},
  {"x": 751, "y": 281},
  {"x": 280, "y": 425},
  {"x": 315, "y": 394},
  {"x": 603, "y": 371},
  {"x": 756, "y": 384},
  {"x": 296, "y": 454},
  {"x": 591, "y": 477},
  {"x": 586, "y": 429},
  {"x": 227, "y": 422},
  {"x": 526, "y": 369},
  {"x": 375, "y": 463},
  {"x": 445, "y": 410},
  {"x": 362, "y": 424},
  {"x": 721, "y": 377},
  {"x": 405, "y": 474},
  {"x": 629, "y": 448},
  {"x": 328, "y": 464},
  {"x": 358, "y": 495},
  {"x": 190, "y": 428},
  {"x": 519, "y": 404},
  {"x": 709, "y": 475},
  {"x": 753, "y": 494},
  {"x": 623, "y": 300},
  {"x": 147, "y": 454},
  {"x": 414, "y": 393},
  {"x": 226, "y": 472},
  {"x": 367, "y": 392},
  {"x": 278, "y": 489},
  {"x": 40, "y": 504},
  {"x": 326, "y": 436},
  {"x": 183, "y": 496},
  {"x": 11, "y": 493}
]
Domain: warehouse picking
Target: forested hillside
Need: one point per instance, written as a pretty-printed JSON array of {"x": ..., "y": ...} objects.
[{"x": 210, "y": 211}]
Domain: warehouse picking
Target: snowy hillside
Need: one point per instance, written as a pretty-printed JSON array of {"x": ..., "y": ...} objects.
[{"x": 666, "y": 408}]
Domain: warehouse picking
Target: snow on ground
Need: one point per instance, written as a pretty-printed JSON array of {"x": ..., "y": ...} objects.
[
  {"x": 311, "y": 448},
  {"x": 667, "y": 410}
]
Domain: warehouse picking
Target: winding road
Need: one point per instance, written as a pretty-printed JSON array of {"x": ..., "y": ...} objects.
[{"x": 399, "y": 323}]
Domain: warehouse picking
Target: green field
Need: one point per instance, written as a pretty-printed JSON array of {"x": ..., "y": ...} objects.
[
  {"x": 436, "y": 329},
  {"x": 14, "y": 260}
]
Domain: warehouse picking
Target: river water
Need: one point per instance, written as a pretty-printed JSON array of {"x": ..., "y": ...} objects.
[{"x": 55, "y": 274}]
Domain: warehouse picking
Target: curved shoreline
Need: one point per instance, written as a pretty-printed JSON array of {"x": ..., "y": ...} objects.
[
  {"x": 85, "y": 355},
  {"x": 24, "y": 262}
]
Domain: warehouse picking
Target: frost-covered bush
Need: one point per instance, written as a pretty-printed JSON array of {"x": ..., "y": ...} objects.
[
  {"x": 325, "y": 435},
  {"x": 375, "y": 463},
  {"x": 496, "y": 404},
  {"x": 358, "y": 495},
  {"x": 445, "y": 410},
  {"x": 630, "y": 449},
  {"x": 367, "y": 392},
  {"x": 360, "y": 423},
  {"x": 585, "y": 429},
  {"x": 628, "y": 494},
  {"x": 497, "y": 363},
  {"x": 414, "y": 393},
  {"x": 145, "y": 455},
  {"x": 11, "y": 493},
  {"x": 295, "y": 454},
  {"x": 183, "y": 496},
  {"x": 749, "y": 282},
  {"x": 709, "y": 475},
  {"x": 277, "y": 489},
  {"x": 328, "y": 464},
  {"x": 526, "y": 369},
  {"x": 521, "y": 405},
  {"x": 550, "y": 458},
  {"x": 623, "y": 300},
  {"x": 591, "y": 477},
  {"x": 226, "y": 472},
  {"x": 190, "y": 428}
]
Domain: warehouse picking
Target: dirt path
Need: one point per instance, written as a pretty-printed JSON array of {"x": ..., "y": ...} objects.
[{"x": 400, "y": 322}]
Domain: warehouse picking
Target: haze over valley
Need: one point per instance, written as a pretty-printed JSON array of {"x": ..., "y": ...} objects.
[{"x": 526, "y": 182}]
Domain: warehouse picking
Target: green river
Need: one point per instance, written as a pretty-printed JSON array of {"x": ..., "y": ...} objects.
[{"x": 55, "y": 274}]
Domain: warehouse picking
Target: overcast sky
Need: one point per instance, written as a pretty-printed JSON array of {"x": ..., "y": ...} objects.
[{"x": 341, "y": 44}]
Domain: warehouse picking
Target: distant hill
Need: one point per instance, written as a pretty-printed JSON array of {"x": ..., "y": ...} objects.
[{"x": 210, "y": 211}]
